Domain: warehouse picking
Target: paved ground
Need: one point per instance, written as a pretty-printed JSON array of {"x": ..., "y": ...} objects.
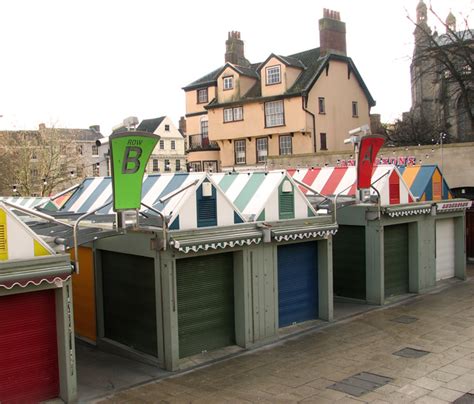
[{"x": 302, "y": 368}]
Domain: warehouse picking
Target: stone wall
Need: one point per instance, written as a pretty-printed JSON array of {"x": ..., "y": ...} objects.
[{"x": 456, "y": 163}]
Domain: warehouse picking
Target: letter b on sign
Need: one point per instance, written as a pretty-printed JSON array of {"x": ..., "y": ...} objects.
[{"x": 131, "y": 160}]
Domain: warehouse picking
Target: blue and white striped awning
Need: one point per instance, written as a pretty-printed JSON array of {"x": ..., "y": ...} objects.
[{"x": 97, "y": 191}]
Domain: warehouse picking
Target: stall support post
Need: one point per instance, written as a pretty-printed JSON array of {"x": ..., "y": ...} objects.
[
  {"x": 374, "y": 258},
  {"x": 325, "y": 278}
]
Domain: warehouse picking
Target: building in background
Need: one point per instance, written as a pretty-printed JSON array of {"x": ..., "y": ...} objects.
[
  {"x": 441, "y": 77},
  {"x": 241, "y": 113},
  {"x": 47, "y": 160},
  {"x": 169, "y": 154}
]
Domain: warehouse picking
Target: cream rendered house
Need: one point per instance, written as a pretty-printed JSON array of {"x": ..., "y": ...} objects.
[
  {"x": 169, "y": 154},
  {"x": 241, "y": 113}
]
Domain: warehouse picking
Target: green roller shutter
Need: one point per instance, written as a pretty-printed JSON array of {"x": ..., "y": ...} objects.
[
  {"x": 349, "y": 262},
  {"x": 396, "y": 259},
  {"x": 128, "y": 284},
  {"x": 205, "y": 290}
]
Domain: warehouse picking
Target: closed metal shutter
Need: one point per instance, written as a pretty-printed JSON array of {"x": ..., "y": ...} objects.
[
  {"x": 205, "y": 291},
  {"x": 470, "y": 234},
  {"x": 349, "y": 262},
  {"x": 396, "y": 259},
  {"x": 297, "y": 283},
  {"x": 28, "y": 347},
  {"x": 128, "y": 284},
  {"x": 444, "y": 249}
]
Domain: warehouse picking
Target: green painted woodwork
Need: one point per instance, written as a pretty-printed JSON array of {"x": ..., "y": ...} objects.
[
  {"x": 349, "y": 262},
  {"x": 205, "y": 294},
  {"x": 128, "y": 284},
  {"x": 286, "y": 203},
  {"x": 396, "y": 260},
  {"x": 261, "y": 216},
  {"x": 227, "y": 181}
]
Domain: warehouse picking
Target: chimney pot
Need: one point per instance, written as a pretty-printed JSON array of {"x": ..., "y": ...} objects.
[{"x": 332, "y": 33}]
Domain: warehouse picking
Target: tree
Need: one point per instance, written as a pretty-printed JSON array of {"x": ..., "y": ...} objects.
[
  {"x": 443, "y": 77},
  {"x": 37, "y": 162}
]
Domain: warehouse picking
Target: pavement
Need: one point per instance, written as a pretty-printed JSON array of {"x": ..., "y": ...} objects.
[{"x": 349, "y": 361}]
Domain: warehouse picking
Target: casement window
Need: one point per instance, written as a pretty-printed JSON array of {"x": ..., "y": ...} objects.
[
  {"x": 155, "y": 167},
  {"x": 322, "y": 141},
  {"x": 233, "y": 114},
  {"x": 273, "y": 75},
  {"x": 239, "y": 150},
  {"x": 286, "y": 146},
  {"x": 95, "y": 150},
  {"x": 167, "y": 165},
  {"x": 355, "y": 109},
  {"x": 167, "y": 128},
  {"x": 202, "y": 95},
  {"x": 173, "y": 145},
  {"x": 321, "y": 105},
  {"x": 210, "y": 165},
  {"x": 194, "y": 166},
  {"x": 274, "y": 114},
  {"x": 178, "y": 165},
  {"x": 262, "y": 149},
  {"x": 228, "y": 82},
  {"x": 162, "y": 144}
]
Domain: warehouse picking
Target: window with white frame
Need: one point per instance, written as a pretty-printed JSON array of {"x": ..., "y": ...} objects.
[
  {"x": 228, "y": 82},
  {"x": 178, "y": 165},
  {"x": 202, "y": 95},
  {"x": 274, "y": 114},
  {"x": 233, "y": 114},
  {"x": 95, "y": 150},
  {"x": 262, "y": 149},
  {"x": 273, "y": 75},
  {"x": 167, "y": 128},
  {"x": 173, "y": 145},
  {"x": 162, "y": 144},
  {"x": 155, "y": 167},
  {"x": 239, "y": 149},
  {"x": 286, "y": 146},
  {"x": 321, "y": 105},
  {"x": 167, "y": 165},
  {"x": 355, "y": 109}
]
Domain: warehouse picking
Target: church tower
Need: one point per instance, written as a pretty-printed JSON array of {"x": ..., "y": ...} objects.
[{"x": 450, "y": 22}]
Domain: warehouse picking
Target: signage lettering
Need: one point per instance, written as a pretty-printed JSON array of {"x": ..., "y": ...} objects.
[
  {"x": 454, "y": 205},
  {"x": 130, "y": 153},
  {"x": 131, "y": 159},
  {"x": 368, "y": 149}
]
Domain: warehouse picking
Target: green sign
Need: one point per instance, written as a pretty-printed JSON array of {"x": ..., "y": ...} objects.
[{"x": 130, "y": 152}]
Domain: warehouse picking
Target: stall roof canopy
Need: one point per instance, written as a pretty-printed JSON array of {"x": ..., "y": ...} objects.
[
  {"x": 426, "y": 182},
  {"x": 265, "y": 196},
  {"x": 186, "y": 205},
  {"x": 31, "y": 202},
  {"x": 330, "y": 181}
]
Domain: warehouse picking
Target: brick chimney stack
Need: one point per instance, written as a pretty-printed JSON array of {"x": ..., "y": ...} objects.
[
  {"x": 234, "y": 50},
  {"x": 332, "y": 33}
]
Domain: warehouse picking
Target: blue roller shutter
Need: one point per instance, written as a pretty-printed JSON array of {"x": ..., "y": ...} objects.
[{"x": 297, "y": 283}]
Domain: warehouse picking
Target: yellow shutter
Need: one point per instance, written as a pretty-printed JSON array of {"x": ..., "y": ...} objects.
[{"x": 3, "y": 236}]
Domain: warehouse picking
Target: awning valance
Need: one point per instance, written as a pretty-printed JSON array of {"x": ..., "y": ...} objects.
[{"x": 408, "y": 210}]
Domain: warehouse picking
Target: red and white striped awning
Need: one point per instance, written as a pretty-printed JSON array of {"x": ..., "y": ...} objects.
[{"x": 330, "y": 181}]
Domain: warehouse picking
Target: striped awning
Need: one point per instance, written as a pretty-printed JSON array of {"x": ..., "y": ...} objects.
[
  {"x": 26, "y": 202},
  {"x": 426, "y": 182},
  {"x": 97, "y": 191},
  {"x": 330, "y": 181}
]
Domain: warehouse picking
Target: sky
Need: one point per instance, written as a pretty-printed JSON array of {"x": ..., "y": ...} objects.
[{"x": 77, "y": 63}]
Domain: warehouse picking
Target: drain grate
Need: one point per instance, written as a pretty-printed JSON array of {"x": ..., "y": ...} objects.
[
  {"x": 360, "y": 384},
  {"x": 467, "y": 398},
  {"x": 411, "y": 353},
  {"x": 405, "y": 319}
]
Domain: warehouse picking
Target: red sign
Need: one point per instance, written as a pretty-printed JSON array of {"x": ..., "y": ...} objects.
[
  {"x": 459, "y": 205},
  {"x": 368, "y": 149}
]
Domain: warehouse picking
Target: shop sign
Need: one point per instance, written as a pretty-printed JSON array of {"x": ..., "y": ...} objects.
[
  {"x": 130, "y": 152},
  {"x": 455, "y": 205}
]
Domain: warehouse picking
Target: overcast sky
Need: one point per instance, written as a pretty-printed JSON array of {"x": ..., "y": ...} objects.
[{"x": 80, "y": 63}]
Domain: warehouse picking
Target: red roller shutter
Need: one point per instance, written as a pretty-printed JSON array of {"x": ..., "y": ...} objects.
[{"x": 28, "y": 347}]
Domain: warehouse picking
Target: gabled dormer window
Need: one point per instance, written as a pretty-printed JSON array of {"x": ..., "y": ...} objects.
[
  {"x": 228, "y": 82},
  {"x": 273, "y": 75}
]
